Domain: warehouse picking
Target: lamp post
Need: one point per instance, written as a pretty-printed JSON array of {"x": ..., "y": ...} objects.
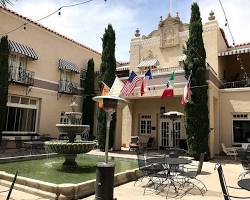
[
  {"x": 105, "y": 170},
  {"x": 173, "y": 115}
]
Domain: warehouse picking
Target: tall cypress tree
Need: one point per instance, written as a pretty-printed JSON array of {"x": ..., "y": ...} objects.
[
  {"x": 89, "y": 91},
  {"x": 4, "y": 57},
  {"x": 107, "y": 75},
  {"x": 196, "y": 111}
]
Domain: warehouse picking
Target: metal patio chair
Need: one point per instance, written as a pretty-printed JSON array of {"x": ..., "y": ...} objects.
[
  {"x": 135, "y": 143},
  {"x": 11, "y": 187},
  {"x": 225, "y": 187},
  {"x": 229, "y": 151},
  {"x": 245, "y": 162},
  {"x": 150, "y": 170},
  {"x": 189, "y": 174}
]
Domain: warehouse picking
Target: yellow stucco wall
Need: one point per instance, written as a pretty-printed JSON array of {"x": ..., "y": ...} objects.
[
  {"x": 232, "y": 101},
  {"x": 49, "y": 47}
]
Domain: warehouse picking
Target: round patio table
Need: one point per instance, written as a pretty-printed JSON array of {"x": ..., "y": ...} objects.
[
  {"x": 244, "y": 183},
  {"x": 177, "y": 161}
]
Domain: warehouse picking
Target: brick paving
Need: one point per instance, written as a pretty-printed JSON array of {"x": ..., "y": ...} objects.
[{"x": 209, "y": 176}]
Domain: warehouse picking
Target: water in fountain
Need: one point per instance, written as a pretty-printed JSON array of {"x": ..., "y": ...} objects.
[{"x": 71, "y": 148}]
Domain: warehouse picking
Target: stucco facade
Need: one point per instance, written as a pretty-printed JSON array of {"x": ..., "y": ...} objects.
[
  {"x": 44, "y": 90},
  {"x": 164, "y": 48}
]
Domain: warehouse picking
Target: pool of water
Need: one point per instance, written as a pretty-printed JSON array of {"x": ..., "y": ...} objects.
[{"x": 51, "y": 170}]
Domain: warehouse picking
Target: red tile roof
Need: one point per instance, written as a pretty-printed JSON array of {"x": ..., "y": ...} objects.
[{"x": 48, "y": 29}]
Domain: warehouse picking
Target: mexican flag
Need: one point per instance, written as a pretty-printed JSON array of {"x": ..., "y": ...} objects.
[{"x": 169, "y": 90}]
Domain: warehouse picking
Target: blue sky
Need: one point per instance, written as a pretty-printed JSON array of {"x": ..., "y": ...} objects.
[{"x": 86, "y": 23}]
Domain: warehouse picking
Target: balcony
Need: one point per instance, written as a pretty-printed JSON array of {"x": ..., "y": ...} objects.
[
  {"x": 21, "y": 76},
  {"x": 237, "y": 84},
  {"x": 67, "y": 87}
]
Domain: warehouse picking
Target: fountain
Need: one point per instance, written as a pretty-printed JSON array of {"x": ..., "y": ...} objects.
[{"x": 70, "y": 148}]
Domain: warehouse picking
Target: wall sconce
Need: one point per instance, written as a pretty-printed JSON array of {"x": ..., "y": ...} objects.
[{"x": 162, "y": 110}]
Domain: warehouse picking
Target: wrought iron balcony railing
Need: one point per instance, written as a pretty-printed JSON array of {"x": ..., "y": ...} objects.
[
  {"x": 67, "y": 87},
  {"x": 237, "y": 84},
  {"x": 21, "y": 76}
]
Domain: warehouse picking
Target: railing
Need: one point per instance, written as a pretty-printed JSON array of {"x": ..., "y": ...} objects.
[
  {"x": 20, "y": 75},
  {"x": 67, "y": 87},
  {"x": 159, "y": 71},
  {"x": 237, "y": 84}
]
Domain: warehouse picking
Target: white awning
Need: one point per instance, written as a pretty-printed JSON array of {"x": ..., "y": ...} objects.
[
  {"x": 22, "y": 49},
  {"x": 234, "y": 52},
  {"x": 65, "y": 64},
  {"x": 149, "y": 63}
]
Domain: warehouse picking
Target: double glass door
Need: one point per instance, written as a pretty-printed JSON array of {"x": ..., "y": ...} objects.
[{"x": 170, "y": 132}]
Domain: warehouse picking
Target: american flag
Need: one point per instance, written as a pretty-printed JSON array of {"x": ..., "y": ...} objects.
[{"x": 130, "y": 84}]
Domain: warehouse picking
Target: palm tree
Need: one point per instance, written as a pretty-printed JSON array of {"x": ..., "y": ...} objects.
[{"x": 5, "y": 2}]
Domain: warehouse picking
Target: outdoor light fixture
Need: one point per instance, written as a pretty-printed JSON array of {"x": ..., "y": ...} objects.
[{"x": 162, "y": 110}]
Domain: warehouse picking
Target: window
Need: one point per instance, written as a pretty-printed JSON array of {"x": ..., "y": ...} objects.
[
  {"x": 17, "y": 61},
  {"x": 21, "y": 114},
  {"x": 21, "y": 119},
  {"x": 241, "y": 131},
  {"x": 66, "y": 75},
  {"x": 82, "y": 78},
  {"x": 145, "y": 124}
]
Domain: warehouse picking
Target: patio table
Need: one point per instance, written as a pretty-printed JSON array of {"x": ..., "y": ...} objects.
[
  {"x": 244, "y": 183},
  {"x": 170, "y": 165}
]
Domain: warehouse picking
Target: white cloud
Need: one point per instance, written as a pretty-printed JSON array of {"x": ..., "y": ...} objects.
[
  {"x": 85, "y": 23},
  {"x": 237, "y": 14}
]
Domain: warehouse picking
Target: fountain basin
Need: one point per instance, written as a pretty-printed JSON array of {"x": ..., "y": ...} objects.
[
  {"x": 72, "y": 128},
  {"x": 64, "y": 147}
]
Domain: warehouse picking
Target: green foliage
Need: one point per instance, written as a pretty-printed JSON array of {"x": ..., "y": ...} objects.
[
  {"x": 89, "y": 91},
  {"x": 107, "y": 75},
  {"x": 196, "y": 111},
  {"x": 4, "y": 65}
]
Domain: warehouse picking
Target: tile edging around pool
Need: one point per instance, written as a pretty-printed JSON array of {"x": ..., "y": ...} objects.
[{"x": 66, "y": 191}]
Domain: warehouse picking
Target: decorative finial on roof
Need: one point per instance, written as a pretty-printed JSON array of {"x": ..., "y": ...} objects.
[
  {"x": 137, "y": 33},
  {"x": 211, "y": 16},
  {"x": 177, "y": 16}
]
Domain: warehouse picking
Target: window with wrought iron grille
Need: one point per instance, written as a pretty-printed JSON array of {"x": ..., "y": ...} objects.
[
  {"x": 22, "y": 114},
  {"x": 145, "y": 124},
  {"x": 82, "y": 78}
]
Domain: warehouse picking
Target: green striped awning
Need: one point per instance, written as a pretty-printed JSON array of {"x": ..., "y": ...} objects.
[
  {"x": 234, "y": 51},
  {"x": 22, "y": 49},
  {"x": 65, "y": 64}
]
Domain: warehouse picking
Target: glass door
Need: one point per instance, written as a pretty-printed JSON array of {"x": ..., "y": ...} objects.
[
  {"x": 165, "y": 132},
  {"x": 170, "y": 132}
]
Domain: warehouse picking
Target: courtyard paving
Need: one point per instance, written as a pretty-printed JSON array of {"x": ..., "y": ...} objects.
[{"x": 209, "y": 176}]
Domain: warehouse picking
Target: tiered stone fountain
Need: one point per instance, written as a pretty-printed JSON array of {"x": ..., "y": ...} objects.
[{"x": 70, "y": 148}]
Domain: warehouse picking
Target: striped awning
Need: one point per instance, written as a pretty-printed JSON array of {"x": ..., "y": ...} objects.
[
  {"x": 22, "y": 49},
  {"x": 65, "y": 64},
  {"x": 235, "y": 51},
  {"x": 149, "y": 63}
]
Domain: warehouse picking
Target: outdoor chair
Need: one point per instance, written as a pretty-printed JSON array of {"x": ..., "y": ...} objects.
[
  {"x": 245, "y": 162},
  {"x": 229, "y": 151},
  {"x": 135, "y": 143},
  {"x": 11, "y": 187},
  {"x": 150, "y": 170},
  {"x": 3, "y": 146},
  {"x": 225, "y": 187},
  {"x": 190, "y": 173},
  {"x": 150, "y": 144}
]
